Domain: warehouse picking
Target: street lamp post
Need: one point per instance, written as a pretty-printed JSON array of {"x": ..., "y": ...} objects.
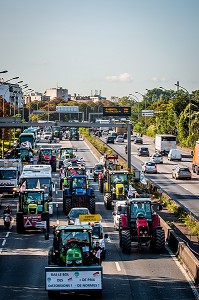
[
  {"x": 177, "y": 84},
  {"x": 11, "y": 79},
  {"x": 3, "y": 72},
  {"x": 145, "y": 107}
]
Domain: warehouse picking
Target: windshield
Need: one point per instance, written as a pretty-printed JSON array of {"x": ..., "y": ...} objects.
[
  {"x": 97, "y": 232},
  {"x": 79, "y": 183},
  {"x": 42, "y": 183},
  {"x": 8, "y": 174},
  {"x": 78, "y": 235},
  {"x": 122, "y": 210},
  {"x": 76, "y": 212},
  {"x": 26, "y": 138},
  {"x": 119, "y": 178},
  {"x": 98, "y": 168},
  {"x": 33, "y": 197},
  {"x": 143, "y": 208}
]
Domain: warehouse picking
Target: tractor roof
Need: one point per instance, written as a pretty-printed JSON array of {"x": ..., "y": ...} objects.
[
  {"x": 138, "y": 200},
  {"x": 73, "y": 228}
]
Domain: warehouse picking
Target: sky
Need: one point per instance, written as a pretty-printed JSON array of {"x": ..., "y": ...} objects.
[{"x": 117, "y": 47}]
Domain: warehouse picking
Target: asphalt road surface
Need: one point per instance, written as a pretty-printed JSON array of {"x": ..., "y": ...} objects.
[{"x": 139, "y": 275}]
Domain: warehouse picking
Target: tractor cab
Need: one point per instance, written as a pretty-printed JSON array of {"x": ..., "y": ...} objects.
[
  {"x": 72, "y": 245},
  {"x": 31, "y": 201}
]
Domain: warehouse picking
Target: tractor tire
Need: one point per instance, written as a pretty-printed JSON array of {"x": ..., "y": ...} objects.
[
  {"x": 19, "y": 222},
  {"x": 108, "y": 201},
  {"x": 54, "y": 166},
  {"x": 92, "y": 205},
  {"x": 68, "y": 205},
  {"x": 46, "y": 217},
  {"x": 101, "y": 185},
  {"x": 51, "y": 257},
  {"x": 126, "y": 241},
  {"x": 159, "y": 240}
]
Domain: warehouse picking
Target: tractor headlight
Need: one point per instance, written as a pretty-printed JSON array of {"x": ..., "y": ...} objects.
[
  {"x": 141, "y": 232},
  {"x": 79, "y": 262},
  {"x": 69, "y": 262}
]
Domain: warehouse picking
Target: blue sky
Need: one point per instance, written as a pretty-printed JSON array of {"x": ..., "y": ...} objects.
[{"x": 116, "y": 46}]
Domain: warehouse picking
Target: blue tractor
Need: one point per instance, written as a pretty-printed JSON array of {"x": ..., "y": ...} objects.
[{"x": 77, "y": 193}]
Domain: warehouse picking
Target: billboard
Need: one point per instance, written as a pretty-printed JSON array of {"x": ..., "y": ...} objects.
[
  {"x": 117, "y": 111},
  {"x": 147, "y": 113},
  {"x": 67, "y": 109}
]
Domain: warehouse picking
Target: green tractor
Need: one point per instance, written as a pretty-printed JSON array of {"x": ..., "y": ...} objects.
[
  {"x": 71, "y": 262},
  {"x": 33, "y": 211},
  {"x": 116, "y": 185}
]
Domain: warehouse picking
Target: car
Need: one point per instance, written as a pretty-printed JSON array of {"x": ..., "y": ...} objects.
[
  {"x": 75, "y": 212},
  {"x": 120, "y": 139},
  {"x": 157, "y": 158},
  {"x": 114, "y": 134},
  {"x": 110, "y": 139},
  {"x": 133, "y": 137},
  {"x": 143, "y": 151},
  {"x": 149, "y": 167},
  {"x": 138, "y": 140},
  {"x": 119, "y": 208},
  {"x": 181, "y": 172},
  {"x": 174, "y": 154},
  {"x": 98, "y": 236},
  {"x": 47, "y": 135},
  {"x": 96, "y": 170}
]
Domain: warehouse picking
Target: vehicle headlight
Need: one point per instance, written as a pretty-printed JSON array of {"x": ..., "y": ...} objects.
[
  {"x": 69, "y": 262},
  {"x": 78, "y": 262},
  {"x": 71, "y": 222}
]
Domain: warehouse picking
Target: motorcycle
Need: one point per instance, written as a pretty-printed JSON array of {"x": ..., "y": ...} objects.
[{"x": 7, "y": 220}]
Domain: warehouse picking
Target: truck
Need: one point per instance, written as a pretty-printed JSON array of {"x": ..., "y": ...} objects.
[
  {"x": 195, "y": 159},
  {"x": 56, "y": 132},
  {"x": 37, "y": 176},
  {"x": 27, "y": 137},
  {"x": 10, "y": 170},
  {"x": 71, "y": 262},
  {"x": 77, "y": 193},
  {"x": 32, "y": 211},
  {"x": 164, "y": 143}
]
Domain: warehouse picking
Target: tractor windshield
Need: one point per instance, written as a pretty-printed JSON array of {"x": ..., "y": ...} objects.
[
  {"x": 119, "y": 178},
  {"x": 141, "y": 209},
  {"x": 42, "y": 183},
  {"x": 79, "y": 183},
  {"x": 67, "y": 236},
  {"x": 33, "y": 197}
]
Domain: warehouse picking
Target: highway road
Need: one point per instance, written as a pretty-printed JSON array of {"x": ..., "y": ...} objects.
[
  {"x": 139, "y": 275},
  {"x": 185, "y": 192}
]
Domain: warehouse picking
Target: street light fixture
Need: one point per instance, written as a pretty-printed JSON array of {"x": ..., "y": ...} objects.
[
  {"x": 3, "y": 72},
  {"x": 19, "y": 82},
  {"x": 11, "y": 79},
  {"x": 177, "y": 84}
]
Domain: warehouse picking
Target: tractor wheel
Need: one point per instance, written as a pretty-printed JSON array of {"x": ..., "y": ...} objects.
[
  {"x": 50, "y": 256},
  {"x": 159, "y": 240},
  {"x": 68, "y": 205},
  {"x": 107, "y": 201},
  {"x": 92, "y": 205},
  {"x": 126, "y": 241},
  {"x": 19, "y": 222},
  {"x": 45, "y": 217},
  {"x": 101, "y": 185},
  {"x": 54, "y": 167}
]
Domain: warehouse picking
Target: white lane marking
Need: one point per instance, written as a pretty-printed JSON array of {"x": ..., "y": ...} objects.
[
  {"x": 1, "y": 249},
  {"x": 118, "y": 266},
  {"x": 7, "y": 234},
  {"x": 3, "y": 243},
  {"x": 186, "y": 275}
]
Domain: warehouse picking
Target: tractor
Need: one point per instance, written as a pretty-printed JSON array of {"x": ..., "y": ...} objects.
[
  {"x": 33, "y": 211},
  {"x": 140, "y": 226},
  {"x": 65, "y": 153},
  {"x": 72, "y": 263},
  {"x": 47, "y": 157},
  {"x": 73, "y": 134},
  {"x": 77, "y": 193},
  {"x": 115, "y": 187}
]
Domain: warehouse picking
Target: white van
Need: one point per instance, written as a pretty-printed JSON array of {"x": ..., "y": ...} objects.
[{"x": 175, "y": 154}]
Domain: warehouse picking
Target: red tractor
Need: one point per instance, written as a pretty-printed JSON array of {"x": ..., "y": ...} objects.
[{"x": 140, "y": 226}]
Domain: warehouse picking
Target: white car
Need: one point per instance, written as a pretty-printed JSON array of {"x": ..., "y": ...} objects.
[
  {"x": 149, "y": 167},
  {"x": 157, "y": 158},
  {"x": 120, "y": 139},
  {"x": 119, "y": 209},
  {"x": 133, "y": 137}
]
